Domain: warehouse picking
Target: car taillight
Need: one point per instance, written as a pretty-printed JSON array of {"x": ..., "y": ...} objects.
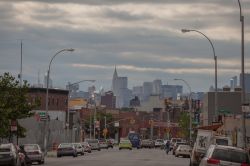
[
  {"x": 244, "y": 164},
  {"x": 213, "y": 161}
]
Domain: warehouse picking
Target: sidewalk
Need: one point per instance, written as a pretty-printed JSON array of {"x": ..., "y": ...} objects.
[{"x": 51, "y": 154}]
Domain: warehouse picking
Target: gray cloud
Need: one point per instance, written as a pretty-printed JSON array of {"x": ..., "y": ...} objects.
[
  {"x": 123, "y": 15},
  {"x": 142, "y": 34}
]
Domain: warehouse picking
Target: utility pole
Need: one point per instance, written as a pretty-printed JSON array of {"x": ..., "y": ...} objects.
[
  {"x": 168, "y": 124},
  {"x": 21, "y": 83},
  {"x": 151, "y": 127},
  {"x": 95, "y": 120},
  {"x": 105, "y": 127}
]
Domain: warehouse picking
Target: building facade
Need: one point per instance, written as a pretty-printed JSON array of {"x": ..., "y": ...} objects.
[
  {"x": 109, "y": 100},
  {"x": 228, "y": 103}
]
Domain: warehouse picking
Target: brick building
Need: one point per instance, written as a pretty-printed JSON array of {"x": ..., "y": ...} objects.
[{"x": 57, "y": 103}]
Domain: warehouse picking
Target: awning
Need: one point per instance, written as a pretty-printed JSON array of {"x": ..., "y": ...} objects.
[{"x": 210, "y": 127}]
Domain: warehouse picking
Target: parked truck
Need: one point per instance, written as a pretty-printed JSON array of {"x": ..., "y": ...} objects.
[{"x": 204, "y": 139}]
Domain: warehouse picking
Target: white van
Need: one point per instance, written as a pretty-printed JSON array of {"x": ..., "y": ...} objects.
[{"x": 204, "y": 139}]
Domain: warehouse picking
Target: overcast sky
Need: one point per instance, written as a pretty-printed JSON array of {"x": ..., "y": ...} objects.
[{"x": 142, "y": 38}]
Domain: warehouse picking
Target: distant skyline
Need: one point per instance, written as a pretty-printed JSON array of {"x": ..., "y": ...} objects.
[{"x": 141, "y": 37}]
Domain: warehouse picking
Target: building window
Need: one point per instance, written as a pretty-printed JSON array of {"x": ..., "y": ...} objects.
[
  {"x": 53, "y": 101},
  {"x": 57, "y": 102}
]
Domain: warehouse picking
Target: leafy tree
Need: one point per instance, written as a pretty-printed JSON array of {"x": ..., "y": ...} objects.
[
  {"x": 14, "y": 104},
  {"x": 184, "y": 124}
]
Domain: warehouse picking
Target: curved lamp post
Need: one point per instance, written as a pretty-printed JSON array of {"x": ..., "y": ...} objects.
[
  {"x": 47, "y": 96},
  {"x": 189, "y": 105},
  {"x": 215, "y": 66},
  {"x": 243, "y": 75}
]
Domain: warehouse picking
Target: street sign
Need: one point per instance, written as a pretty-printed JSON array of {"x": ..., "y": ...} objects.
[
  {"x": 42, "y": 116},
  {"x": 245, "y": 108},
  {"x": 13, "y": 125},
  {"x": 116, "y": 124}
]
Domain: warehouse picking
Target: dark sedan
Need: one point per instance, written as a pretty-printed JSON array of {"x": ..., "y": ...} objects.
[
  {"x": 34, "y": 153},
  {"x": 66, "y": 149}
]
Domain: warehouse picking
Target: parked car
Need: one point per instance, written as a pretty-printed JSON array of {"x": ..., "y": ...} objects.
[
  {"x": 177, "y": 144},
  {"x": 66, "y": 149},
  {"x": 103, "y": 144},
  {"x": 34, "y": 153},
  {"x": 79, "y": 148},
  {"x": 147, "y": 143},
  {"x": 9, "y": 155},
  {"x": 225, "y": 155},
  {"x": 159, "y": 143},
  {"x": 125, "y": 144},
  {"x": 173, "y": 141},
  {"x": 94, "y": 143},
  {"x": 183, "y": 150},
  {"x": 87, "y": 147}
]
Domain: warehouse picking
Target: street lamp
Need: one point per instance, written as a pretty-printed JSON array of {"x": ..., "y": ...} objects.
[
  {"x": 69, "y": 87},
  {"x": 215, "y": 66},
  {"x": 189, "y": 105},
  {"x": 47, "y": 96},
  {"x": 243, "y": 74}
]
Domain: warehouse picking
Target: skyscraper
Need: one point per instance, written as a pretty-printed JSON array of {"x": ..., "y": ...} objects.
[
  {"x": 157, "y": 87},
  {"x": 233, "y": 82},
  {"x": 120, "y": 90},
  {"x": 147, "y": 90}
]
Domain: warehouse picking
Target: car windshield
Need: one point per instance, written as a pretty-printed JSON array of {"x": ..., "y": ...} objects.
[
  {"x": 159, "y": 140},
  {"x": 133, "y": 136},
  {"x": 85, "y": 143},
  {"x": 77, "y": 145},
  {"x": 221, "y": 142},
  {"x": 92, "y": 141},
  {"x": 30, "y": 147},
  {"x": 230, "y": 155},
  {"x": 4, "y": 149},
  {"x": 125, "y": 141},
  {"x": 65, "y": 145}
]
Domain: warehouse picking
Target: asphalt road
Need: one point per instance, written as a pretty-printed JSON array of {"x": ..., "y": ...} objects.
[{"x": 116, "y": 157}]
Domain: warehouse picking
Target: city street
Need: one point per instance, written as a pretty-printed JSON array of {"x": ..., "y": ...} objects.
[{"x": 115, "y": 157}]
